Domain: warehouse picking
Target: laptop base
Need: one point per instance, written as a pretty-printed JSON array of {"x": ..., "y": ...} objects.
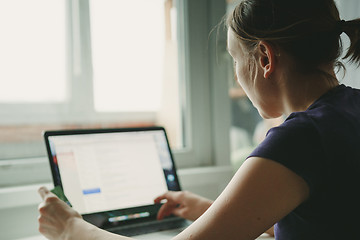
[{"x": 151, "y": 226}]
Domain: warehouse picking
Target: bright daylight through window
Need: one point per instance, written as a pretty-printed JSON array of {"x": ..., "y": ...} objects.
[
  {"x": 32, "y": 51},
  {"x": 86, "y": 64}
]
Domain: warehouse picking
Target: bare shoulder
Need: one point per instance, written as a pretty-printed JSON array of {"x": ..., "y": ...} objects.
[{"x": 260, "y": 194}]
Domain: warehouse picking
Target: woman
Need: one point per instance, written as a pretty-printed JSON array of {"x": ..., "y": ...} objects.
[{"x": 304, "y": 176}]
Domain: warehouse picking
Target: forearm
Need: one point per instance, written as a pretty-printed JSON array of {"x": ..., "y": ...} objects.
[
  {"x": 79, "y": 229},
  {"x": 199, "y": 208},
  {"x": 205, "y": 204}
]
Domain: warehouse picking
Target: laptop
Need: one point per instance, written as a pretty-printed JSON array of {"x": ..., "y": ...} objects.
[{"x": 112, "y": 176}]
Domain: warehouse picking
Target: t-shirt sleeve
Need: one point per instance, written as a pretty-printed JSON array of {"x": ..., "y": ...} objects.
[{"x": 297, "y": 145}]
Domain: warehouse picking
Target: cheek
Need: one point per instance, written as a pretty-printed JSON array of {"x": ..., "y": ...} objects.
[
  {"x": 244, "y": 78},
  {"x": 246, "y": 85},
  {"x": 247, "y": 78}
]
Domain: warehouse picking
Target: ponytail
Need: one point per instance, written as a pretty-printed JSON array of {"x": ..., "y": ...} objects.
[{"x": 352, "y": 29}]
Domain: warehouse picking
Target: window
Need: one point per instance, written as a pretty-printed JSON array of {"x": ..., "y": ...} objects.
[
  {"x": 65, "y": 69},
  {"x": 54, "y": 78}
]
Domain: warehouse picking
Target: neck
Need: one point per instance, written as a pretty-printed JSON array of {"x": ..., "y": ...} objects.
[{"x": 302, "y": 90}]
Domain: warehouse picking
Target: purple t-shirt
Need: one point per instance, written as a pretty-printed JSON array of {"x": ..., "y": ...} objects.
[{"x": 322, "y": 145}]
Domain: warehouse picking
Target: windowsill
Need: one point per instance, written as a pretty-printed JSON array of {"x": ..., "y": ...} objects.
[{"x": 11, "y": 197}]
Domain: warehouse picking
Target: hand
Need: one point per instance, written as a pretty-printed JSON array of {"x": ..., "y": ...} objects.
[
  {"x": 55, "y": 215},
  {"x": 183, "y": 204}
]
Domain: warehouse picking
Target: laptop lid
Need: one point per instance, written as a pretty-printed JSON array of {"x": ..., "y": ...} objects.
[{"x": 112, "y": 176}]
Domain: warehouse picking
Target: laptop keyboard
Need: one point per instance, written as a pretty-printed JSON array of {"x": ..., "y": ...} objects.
[{"x": 152, "y": 226}]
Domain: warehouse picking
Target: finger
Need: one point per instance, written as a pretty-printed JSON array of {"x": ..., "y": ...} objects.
[
  {"x": 166, "y": 210},
  {"x": 170, "y": 196},
  {"x": 162, "y": 197},
  {"x": 48, "y": 197},
  {"x": 180, "y": 212},
  {"x": 41, "y": 205},
  {"x": 46, "y": 213},
  {"x": 161, "y": 212},
  {"x": 43, "y": 191},
  {"x": 46, "y": 220},
  {"x": 159, "y": 199}
]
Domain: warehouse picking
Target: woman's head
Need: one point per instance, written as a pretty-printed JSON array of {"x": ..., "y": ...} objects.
[
  {"x": 307, "y": 30},
  {"x": 282, "y": 39}
]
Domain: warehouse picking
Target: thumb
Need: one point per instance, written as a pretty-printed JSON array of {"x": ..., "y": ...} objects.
[{"x": 43, "y": 191}]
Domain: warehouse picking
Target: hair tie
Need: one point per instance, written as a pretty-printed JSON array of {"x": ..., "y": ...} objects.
[{"x": 340, "y": 26}]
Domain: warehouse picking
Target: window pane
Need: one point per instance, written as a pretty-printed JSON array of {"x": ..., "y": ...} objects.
[
  {"x": 134, "y": 56},
  {"x": 128, "y": 39},
  {"x": 32, "y": 47},
  {"x": 349, "y": 10}
]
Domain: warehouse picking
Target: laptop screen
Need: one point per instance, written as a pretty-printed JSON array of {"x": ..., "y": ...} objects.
[{"x": 106, "y": 170}]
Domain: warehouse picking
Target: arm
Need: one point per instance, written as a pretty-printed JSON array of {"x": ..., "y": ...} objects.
[
  {"x": 187, "y": 205},
  {"x": 261, "y": 193},
  {"x": 58, "y": 221}
]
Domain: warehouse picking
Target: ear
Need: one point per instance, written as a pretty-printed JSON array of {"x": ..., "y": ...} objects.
[{"x": 266, "y": 58}]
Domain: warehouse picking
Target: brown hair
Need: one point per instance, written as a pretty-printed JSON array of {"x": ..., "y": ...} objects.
[{"x": 308, "y": 30}]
